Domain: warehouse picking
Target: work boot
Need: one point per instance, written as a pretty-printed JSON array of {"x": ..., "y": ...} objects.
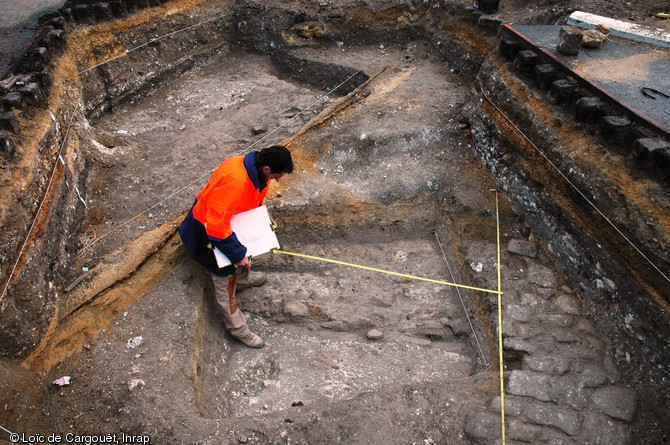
[
  {"x": 252, "y": 340},
  {"x": 249, "y": 279}
]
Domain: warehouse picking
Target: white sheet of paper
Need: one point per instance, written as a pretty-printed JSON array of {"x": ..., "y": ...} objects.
[{"x": 254, "y": 230}]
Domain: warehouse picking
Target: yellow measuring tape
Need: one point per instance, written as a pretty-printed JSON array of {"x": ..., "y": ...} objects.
[
  {"x": 500, "y": 340},
  {"x": 388, "y": 272},
  {"x": 498, "y": 292}
]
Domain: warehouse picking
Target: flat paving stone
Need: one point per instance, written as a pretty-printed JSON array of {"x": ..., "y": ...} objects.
[
  {"x": 568, "y": 304},
  {"x": 520, "y": 345},
  {"x": 565, "y": 336},
  {"x": 576, "y": 397},
  {"x": 546, "y": 292},
  {"x": 534, "y": 302},
  {"x": 512, "y": 407},
  {"x": 592, "y": 376},
  {"x": 548, "y": 365},
  {"x": 559, "y": 320},
  {"x": 523, "y": 432},
  {"x": 602, "y": 430},
  {"x": 541, "y": 275},
  {"x": 517, "y": 313},
  {"x": 528, "y": 384},
  {"x": 616, "y": 402},
  {"x": 525, "y": 331},
  {"x": 484, "y": 426},
  {"x": 566, "y": 420}
]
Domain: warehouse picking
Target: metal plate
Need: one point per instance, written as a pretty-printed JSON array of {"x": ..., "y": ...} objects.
[{"x": 625, "y": 72}]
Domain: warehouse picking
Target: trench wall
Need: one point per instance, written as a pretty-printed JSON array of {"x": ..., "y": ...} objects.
[
  {"x": 546, "y": 171},
  {"x": 38, "y": 119}
]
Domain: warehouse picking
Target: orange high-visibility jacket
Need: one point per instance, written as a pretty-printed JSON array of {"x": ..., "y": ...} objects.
[{"x": 230, "y": 190}]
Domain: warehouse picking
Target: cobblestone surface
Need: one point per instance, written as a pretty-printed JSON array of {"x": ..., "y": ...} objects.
[{"x": 566, "y": 390}]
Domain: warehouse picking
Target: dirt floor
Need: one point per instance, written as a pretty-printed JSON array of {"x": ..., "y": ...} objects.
[{"x": 386, "y": 178}]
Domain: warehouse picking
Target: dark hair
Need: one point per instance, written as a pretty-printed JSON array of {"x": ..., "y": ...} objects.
[{"x": 277, "y": 157}]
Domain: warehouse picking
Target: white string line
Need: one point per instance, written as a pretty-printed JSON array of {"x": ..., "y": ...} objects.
[
  {"x": 465, "y": 310},
  {"x": 95, "y": 240},
  {"x": 39, "y": 209},
  {"x": 13, "y": 437},
  {"x": 578, "y": 190},
  {"x": 125, "y": 53}
]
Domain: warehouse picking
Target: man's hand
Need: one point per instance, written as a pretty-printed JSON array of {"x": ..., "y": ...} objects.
[{"x": 244, "y": 262}]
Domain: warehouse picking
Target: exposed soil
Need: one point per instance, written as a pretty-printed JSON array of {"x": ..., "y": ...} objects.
[
  {"x": 342, "y": 210},
  {"x": 391, "y": 177}
]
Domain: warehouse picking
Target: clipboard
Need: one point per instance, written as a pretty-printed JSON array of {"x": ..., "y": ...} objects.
[{"x": 255, "y": 230}]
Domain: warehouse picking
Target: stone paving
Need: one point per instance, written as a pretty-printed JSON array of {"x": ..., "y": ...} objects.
[{"x": 562, "y": 387}]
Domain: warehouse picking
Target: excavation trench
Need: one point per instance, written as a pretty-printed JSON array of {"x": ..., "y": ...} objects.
[
  {"x": 369, "y": 196},
  {"x": 397, "y": 168}
]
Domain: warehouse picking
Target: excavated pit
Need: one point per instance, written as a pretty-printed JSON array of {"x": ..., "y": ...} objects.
[
  {"x": 396, "y": 169},
  {"x": 335, "y": 208}
]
